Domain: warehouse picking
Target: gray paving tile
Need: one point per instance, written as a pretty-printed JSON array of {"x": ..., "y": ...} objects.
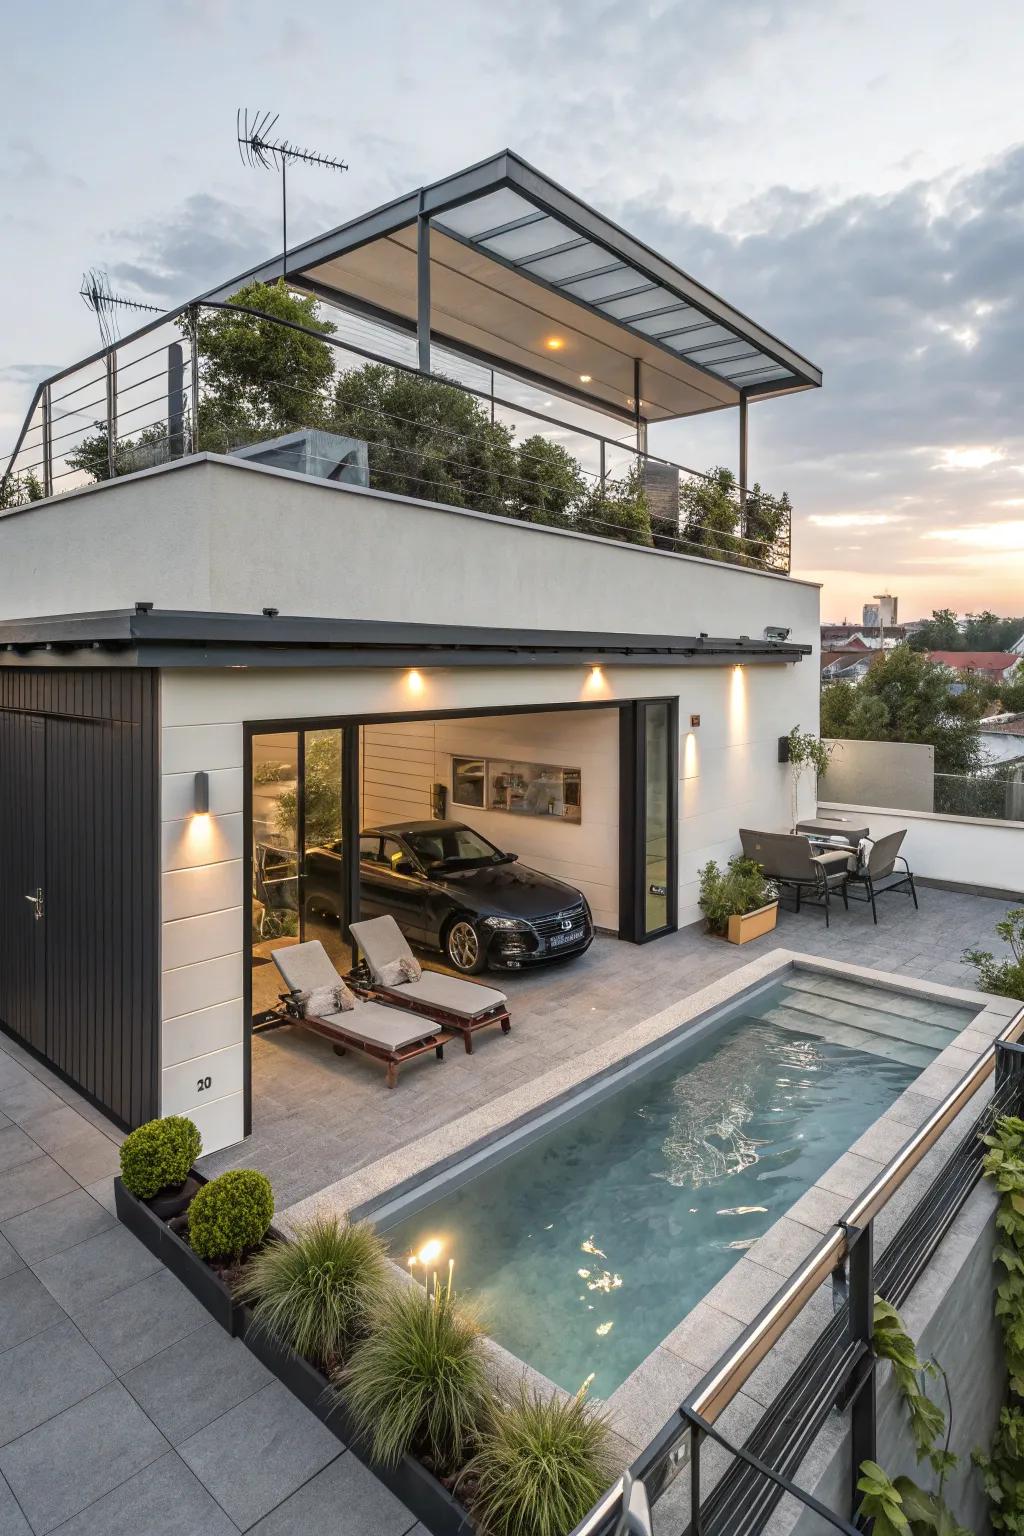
[
  {"x": 141, "y": 1321},
  {"x": 196, "y": 1381},
  {"x": 52, "y": 1126},
  {"x": 32, "y": 1184},
  {"x": 257, "y": 1454},
  {"x": 12, "y": 1521},
  {"x": 96, "y": 1269},
  {"x": 26, "y": 1308},
  {"x": 103, "y": 1191},
  {"x": 343, "y": 1500},
  {"x": 79, "y": 1455},
  {"x": 9, "y": 1260},
  {"x": 164, "y": 1499},
  {"x": 57, "y": 1225},
  {"x": 16, "y": 1147},
  {"x": 88, "y": 1156},
  {"x": 45, "y": 1375},
  {"x": 27, "y": 1097}
]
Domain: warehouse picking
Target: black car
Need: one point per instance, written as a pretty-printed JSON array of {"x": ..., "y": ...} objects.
[{"x": 448, "y": 888}]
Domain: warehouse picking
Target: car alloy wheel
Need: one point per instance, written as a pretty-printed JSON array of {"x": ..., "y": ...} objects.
[{"x": 464, "y": 948}]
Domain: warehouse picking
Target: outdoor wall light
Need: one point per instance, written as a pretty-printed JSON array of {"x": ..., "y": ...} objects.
[{"x": 201, "y": 793}]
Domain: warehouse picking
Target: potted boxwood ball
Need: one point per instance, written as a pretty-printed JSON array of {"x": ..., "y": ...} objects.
[
  {"x": 229, "y": 1217},
  {"x": 156, "y": 1164},
  {"x": 739, "y": 903}
]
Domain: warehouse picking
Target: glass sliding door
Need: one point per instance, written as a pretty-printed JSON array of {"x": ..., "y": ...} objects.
[
  {"x": 648, "y": 828},
  {"x": 275, "y": 858},
  {"x": 322, "y": 843},
  {"x": 656, "y": 828}
]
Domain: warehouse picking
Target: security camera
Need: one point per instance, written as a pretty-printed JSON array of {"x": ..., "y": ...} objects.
[{"x": 776, "y": 632}]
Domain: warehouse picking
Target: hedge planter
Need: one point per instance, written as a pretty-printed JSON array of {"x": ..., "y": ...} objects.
[
  {"x": 204, "y": 1283},
  {"x": 752, "y": 925},
  {"x": 419, "y": 1490}
]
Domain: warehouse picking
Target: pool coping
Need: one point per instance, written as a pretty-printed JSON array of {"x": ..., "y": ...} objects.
[{"x": 642, "y": 1403}]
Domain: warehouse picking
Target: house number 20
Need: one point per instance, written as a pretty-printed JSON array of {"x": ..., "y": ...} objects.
[{"x": 203, "y": 1084}]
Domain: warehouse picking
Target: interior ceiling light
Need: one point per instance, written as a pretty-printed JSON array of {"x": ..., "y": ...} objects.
[
  {"x": 554, "y": 343},
  {"x": 584, "y": 378}
]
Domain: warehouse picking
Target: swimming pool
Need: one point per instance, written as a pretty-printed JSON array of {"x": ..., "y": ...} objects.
[{"x": 587, "y": 1244}]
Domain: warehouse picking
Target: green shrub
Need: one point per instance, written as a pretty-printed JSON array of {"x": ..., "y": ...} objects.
[
  {"x": 742, "y": 887},
  {"x": 230, "y": 1214},
  {"x": 418, "y": 1382},
  {"x": 315, "y": 1292},
  {"x": 1004, "y": 976},
  {"x": 159, "y": 1155},
  {"x": 541, "y": 1464}
]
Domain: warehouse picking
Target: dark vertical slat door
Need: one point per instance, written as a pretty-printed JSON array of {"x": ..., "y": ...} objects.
[{"x": 22, "y": 920}]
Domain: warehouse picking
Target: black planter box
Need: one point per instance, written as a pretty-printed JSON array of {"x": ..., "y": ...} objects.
[
  {"x": 206, "y": 1286},
  {"x": 419, "y": 1490}
]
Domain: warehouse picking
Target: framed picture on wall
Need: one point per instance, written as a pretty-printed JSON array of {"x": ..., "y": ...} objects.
[{"x": 517, "y": 788}]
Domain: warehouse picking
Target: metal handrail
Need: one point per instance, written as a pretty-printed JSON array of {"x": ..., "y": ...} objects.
[{"x": 717, "y": 1389}]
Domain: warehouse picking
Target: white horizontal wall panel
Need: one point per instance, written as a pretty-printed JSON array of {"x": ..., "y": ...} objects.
[
  {"x": 200, "y": 986},
  {"x": 206, "y": 888},
  {"x": 203, "y": 1079},
  {"x": 200, "y": 840},
  {"x": 206, "y": 937},
  {"x": 220, "y": 1121},
  {"x": 185, "y": 748},
  {"x": 202, "y": 1032}
]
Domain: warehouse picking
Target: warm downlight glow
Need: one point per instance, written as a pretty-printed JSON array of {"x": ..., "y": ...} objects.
[
  {"x": 414, "y": 681},
  {"x": 738, "y": 702},
  {"x": 554, "y": 343},
  {"x": 689, "y": 755},
  {"x": 595, "y": 682}
]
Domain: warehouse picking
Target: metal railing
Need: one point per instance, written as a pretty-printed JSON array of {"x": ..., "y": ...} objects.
[
  {"x": 838, "y": 1371},
  {"x": 996, "y": 794},
  {"x": 151, "y": 398}
]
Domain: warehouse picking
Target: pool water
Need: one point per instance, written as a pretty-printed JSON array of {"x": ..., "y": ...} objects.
[{"x": 586, "y": 1246}]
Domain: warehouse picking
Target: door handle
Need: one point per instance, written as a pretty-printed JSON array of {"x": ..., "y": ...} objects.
[{"x": 37, "y": 902}]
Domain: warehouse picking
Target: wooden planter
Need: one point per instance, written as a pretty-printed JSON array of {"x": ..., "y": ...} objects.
[
  {"x": 751, "y": 925},
  {"x": 419, "y": 1490}
]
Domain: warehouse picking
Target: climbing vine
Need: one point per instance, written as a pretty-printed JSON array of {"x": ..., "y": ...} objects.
[
  {"x": 898, "y": 1506},
  {"x": 1002, "y": 1468}
]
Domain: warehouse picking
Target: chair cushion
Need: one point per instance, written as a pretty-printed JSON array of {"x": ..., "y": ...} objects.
[
  {"x": 390, "y": 1028},
  {"x": 467, "y": 998},
  {"x": 381, "y": 941},
  {"x": 305, "y": 967}
]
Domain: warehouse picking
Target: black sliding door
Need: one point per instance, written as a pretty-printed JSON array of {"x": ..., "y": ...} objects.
[{"x": 22, "y": 838}]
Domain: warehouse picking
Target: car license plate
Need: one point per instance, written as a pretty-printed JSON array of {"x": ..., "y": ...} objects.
[{"x": 558, "y": 939}]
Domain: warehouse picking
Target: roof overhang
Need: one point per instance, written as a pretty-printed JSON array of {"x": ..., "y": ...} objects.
[
  {"x": 129, "y": 637},
  {"x": 526, "y": 276}
]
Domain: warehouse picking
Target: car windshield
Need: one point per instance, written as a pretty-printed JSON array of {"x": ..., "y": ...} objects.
[{"x": 453, "y": 845}]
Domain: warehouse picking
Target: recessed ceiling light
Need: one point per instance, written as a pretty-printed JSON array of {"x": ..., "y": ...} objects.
[
  {"x": 584, "y": 378},
  {"x": 554, "y": 343}
]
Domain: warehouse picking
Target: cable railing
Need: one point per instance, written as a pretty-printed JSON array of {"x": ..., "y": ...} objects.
[
  {"x": 837, "y": 1372},
  {"x": 136, "y": 405}
]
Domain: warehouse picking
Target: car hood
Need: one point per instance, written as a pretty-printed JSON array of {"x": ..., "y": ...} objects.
[{"x": 509, "y": 890}]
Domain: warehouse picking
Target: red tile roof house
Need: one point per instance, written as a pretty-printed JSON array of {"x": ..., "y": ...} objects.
[{"x": 997, "y": 665}]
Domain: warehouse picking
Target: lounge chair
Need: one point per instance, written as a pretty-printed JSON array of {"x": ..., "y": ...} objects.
[
  {"x": 878, "y": 873},
  {"x": 390, "y": 1035},
  {"x": 465, "y": 1006},
  {"x": 789, "y": 860}
]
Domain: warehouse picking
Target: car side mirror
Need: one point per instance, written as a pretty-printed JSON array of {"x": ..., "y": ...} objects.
[{"x": 404, "y": 867}]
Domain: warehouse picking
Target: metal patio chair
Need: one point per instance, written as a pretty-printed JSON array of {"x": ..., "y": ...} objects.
[
  {"x": 879, "y": 874},
  {"x": 791, "y": 862}
]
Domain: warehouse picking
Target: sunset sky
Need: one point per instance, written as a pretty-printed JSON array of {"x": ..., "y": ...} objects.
[{"x": 851, "y": 175}]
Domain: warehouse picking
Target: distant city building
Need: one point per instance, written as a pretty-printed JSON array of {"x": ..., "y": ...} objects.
[
  {"x": 997, "y": 666},
  {"x": 837, "y": 636},
  {"x": 883, "y": 611}
]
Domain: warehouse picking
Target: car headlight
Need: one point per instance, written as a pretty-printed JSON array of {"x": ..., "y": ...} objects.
[{"x": 509, "y": 924}]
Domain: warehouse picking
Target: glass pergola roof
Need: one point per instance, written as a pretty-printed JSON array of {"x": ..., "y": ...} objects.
[
  {"x": 523, "y": 276},
  {"x": 541, "y": 246}
]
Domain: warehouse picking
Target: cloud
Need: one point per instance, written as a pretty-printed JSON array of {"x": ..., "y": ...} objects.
[
  {"x": 853, "y": 519},
  {"x": 970, "y": 458},
  {"x": 203, "y": 242},
  {"x": 1006, "y": 538}
]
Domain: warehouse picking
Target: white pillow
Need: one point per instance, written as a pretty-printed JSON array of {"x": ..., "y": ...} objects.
[
  {"x": 324, "y": 1000},
  {"x": 396, "y": 972}
]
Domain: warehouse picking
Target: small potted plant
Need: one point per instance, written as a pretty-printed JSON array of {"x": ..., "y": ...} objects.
[
  {"x": 739, "y": 903},
  {"x": 156, "y": 1164},
  {"x": 806, "y": 754}
]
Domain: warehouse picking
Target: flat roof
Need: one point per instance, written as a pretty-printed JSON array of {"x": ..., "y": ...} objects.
[
  {"x": 525, "y": 275},
  {"x": 171, "y": 638}
]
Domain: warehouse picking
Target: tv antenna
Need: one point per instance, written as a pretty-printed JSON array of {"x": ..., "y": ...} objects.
[
  {"x": 98, "y": 296},
  {"x": 261, "y": 149}
]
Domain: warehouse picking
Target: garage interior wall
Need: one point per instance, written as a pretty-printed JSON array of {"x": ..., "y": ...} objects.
[
  {"x": 730, "y": 777},
  {"x": 401, "y": 761}
]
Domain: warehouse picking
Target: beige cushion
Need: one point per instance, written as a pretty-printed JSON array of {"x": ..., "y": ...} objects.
[
  {"x": 390, "y": 1028},
  {"x": 395, "y": 973},
  {"x": 305, "y": 967},
  {"x": 467, "y": 998},
  {"x": 382, "y": 942}
]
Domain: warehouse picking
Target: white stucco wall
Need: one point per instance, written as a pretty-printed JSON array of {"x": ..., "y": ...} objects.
[
  {"x": 224, "y": 535},
  {"x": 729, "y": 777},
  {"x": 964, "y": 850}
]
